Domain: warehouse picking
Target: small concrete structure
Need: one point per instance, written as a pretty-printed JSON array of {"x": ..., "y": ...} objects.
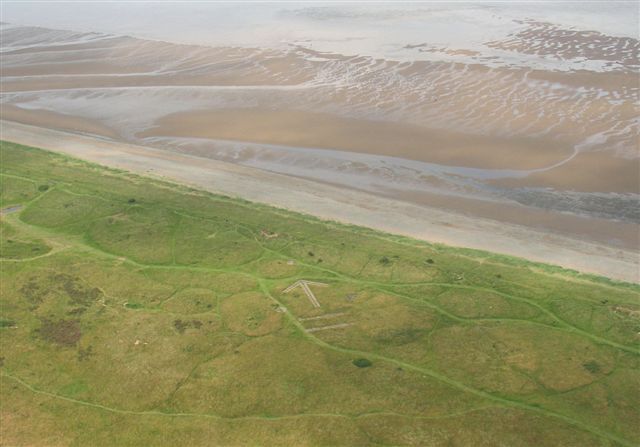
[{"x": 304, "y": 285}]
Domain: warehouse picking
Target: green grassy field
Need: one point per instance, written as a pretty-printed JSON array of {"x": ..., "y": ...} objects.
[{"x": 137, "y": 312}]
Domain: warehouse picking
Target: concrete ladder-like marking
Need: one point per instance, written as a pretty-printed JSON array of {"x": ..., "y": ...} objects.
[
  {"x": 321, "y": 317},
  {"x": 333, "y": 326},
  {"x": 304, "y": 285}
]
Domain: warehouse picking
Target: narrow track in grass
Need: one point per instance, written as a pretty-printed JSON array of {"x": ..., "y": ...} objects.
[
  {"x": 383, "y": 287},
  {"x": 263, "y": 284},
  {"x": 82, "y": 243},
  {"x": 236, "y": 418},
  {"x": 449, "y": 381}
]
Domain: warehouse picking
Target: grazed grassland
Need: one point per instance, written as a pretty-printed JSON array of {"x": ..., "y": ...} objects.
[{"x": 136, "y": 312}]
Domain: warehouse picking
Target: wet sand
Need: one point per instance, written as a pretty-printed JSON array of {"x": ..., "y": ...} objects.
[
  {"x": 298, "y": 128},
  {"x": 450, "y": 113},
  {"x": 340, "y": 204},
  {"x": 53, "y": 120},
  {"x": 604, "y": 231},
  {"x": 588, "y": 172},
  {"x": 537, "y": 129}
]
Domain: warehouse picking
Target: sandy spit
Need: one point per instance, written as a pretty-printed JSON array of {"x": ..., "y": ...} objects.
[{"x": 340, "y": 204}]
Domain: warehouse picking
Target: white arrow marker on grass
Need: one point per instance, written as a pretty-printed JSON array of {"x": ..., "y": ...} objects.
[{"x": 304, "y": 284}]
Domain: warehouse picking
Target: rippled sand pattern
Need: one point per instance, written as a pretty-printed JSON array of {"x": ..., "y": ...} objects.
[
  {"x": 548, "y": 39},
  {"x": 549, "y": 140}
]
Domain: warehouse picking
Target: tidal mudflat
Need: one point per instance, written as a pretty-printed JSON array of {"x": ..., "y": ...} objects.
[{"x": 533, "y": 123}]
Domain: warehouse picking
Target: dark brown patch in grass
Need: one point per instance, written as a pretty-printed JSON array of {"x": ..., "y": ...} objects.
[
  {"x": 77, "y": 311},
  {"x": 7, "y": 323},
  {"x": 78, "y": 293},
  {"x": 397, "y": 337},
  {"x": 33, "y": 292},
  {"x": 593, "y": 367},
  {"x": 61, "y": 332},
  {"x": 84, "y": 354},
  {"x": 182, "y": 325}
]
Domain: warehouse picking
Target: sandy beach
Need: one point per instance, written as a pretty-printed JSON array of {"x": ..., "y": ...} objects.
[
  {"x": 516, "y": 134},
  {"x": 496, "y": 129},
  {"x": 339, "y": 204}
]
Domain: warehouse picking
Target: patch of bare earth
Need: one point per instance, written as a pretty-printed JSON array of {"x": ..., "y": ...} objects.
[{"x": 62, "y": 332}]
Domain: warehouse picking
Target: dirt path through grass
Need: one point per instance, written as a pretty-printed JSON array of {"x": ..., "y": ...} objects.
[
  {"x": 264, "y": 270},
  {"x": 448, "y": 381}
]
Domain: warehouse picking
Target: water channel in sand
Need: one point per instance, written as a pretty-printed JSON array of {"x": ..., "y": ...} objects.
[{"x": 511, "y": 112}]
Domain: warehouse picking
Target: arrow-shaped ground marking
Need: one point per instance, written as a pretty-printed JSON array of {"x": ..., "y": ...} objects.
[{"x": 304, "y": 284}]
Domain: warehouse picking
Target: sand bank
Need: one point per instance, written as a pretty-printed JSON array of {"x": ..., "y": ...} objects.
[
  {"x": 298, "y": 128},
  {"x": 340, "y": 204},
  {"x": 546, "y": 148}
]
